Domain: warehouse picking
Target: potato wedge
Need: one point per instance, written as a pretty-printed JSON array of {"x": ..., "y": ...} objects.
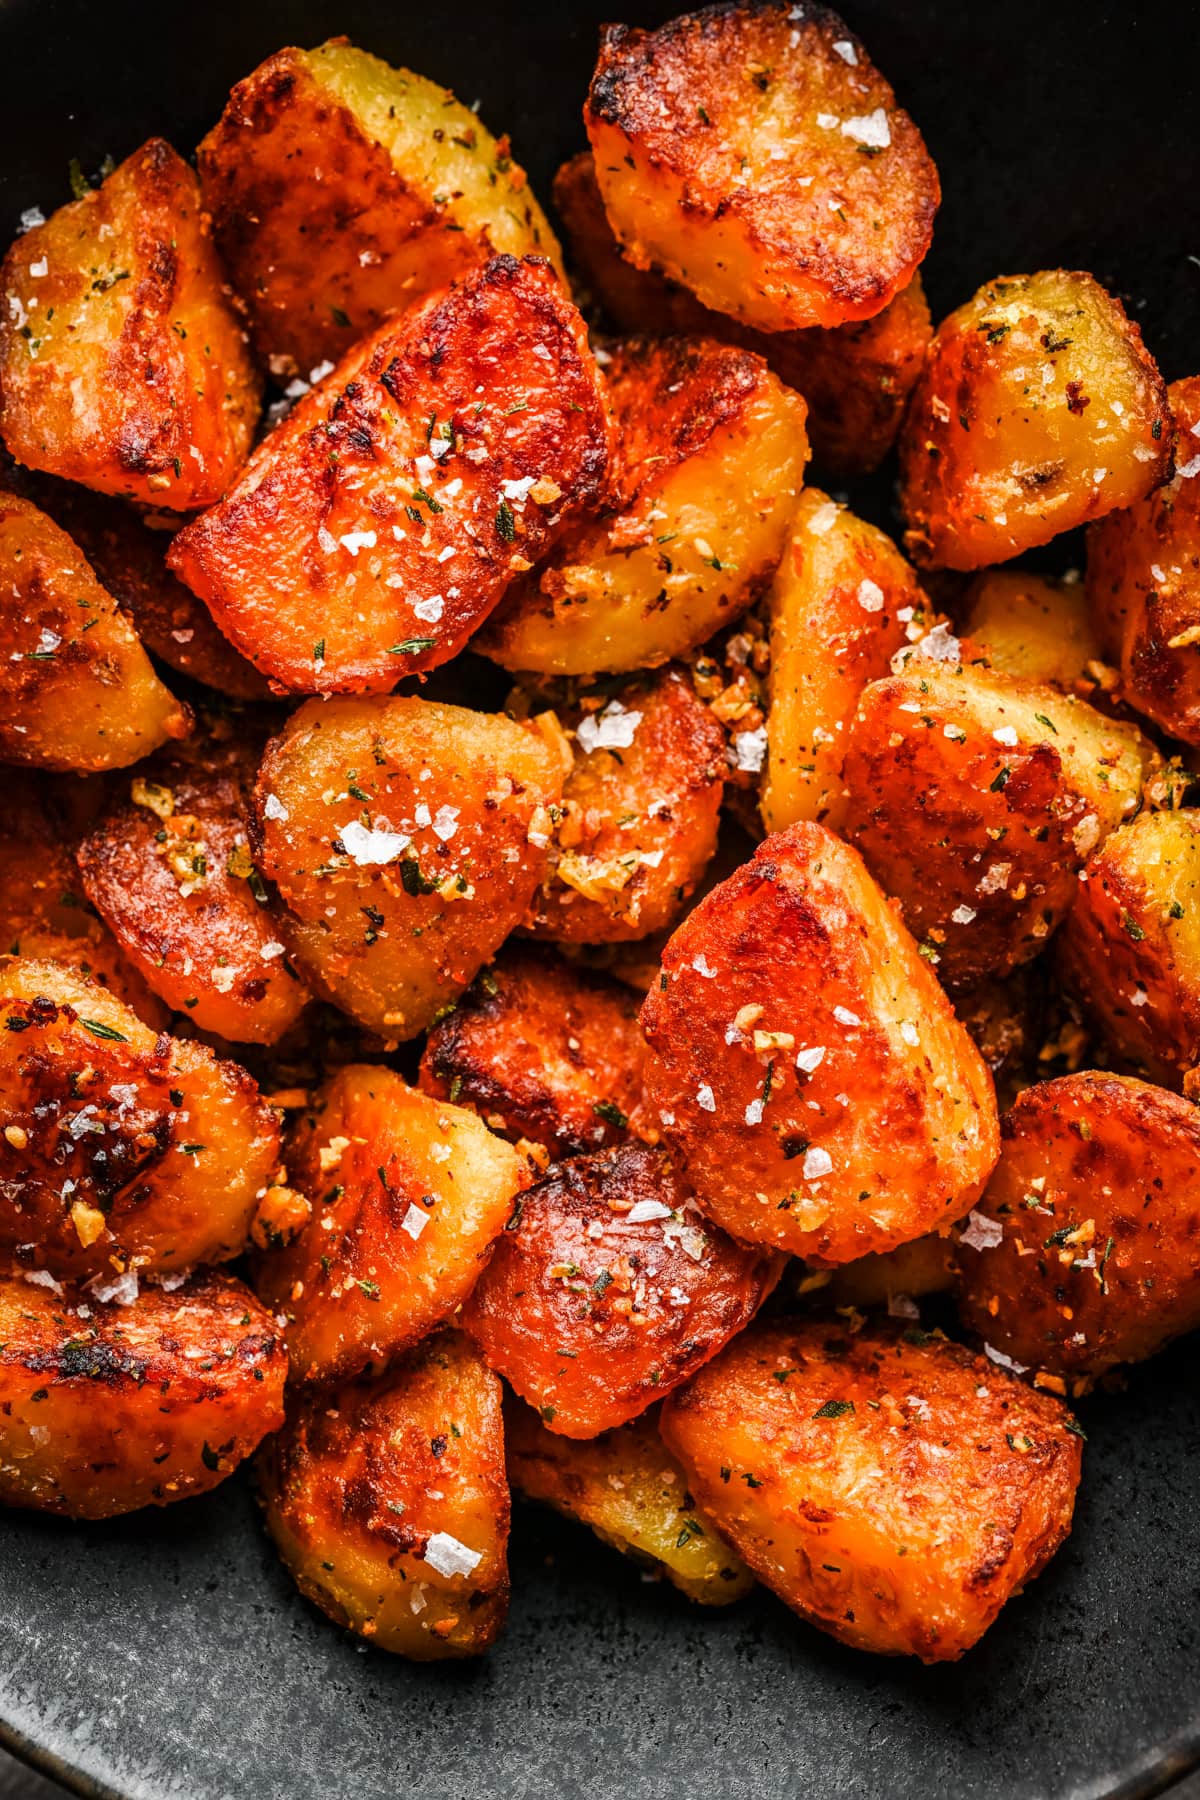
[
  {"x": 122, "y": 362},
  {"x": 1034, "y": 627},
  {"x": 894, "y": 1490},
  {"x": 711, "y": 456},
  {"x": 1039, "y": 408},
  {"x": 807, "y": 1069},
  {"x": 609, "y": 1290},
  {"x": 700, "y": 131}
]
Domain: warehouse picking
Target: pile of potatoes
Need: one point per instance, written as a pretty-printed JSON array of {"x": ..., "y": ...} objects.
[{"x": 499, "y": 631}]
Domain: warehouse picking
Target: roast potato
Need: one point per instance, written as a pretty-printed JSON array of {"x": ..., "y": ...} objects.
[
  {"x": 1035, "y": 627},
  {"x": 893, "y": 1277}
]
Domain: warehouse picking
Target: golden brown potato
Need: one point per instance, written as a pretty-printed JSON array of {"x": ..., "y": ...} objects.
[
  {"x": 77, "y": 690},
  {"x": 630, "y": 1490},
  {"x": 377, "y": 527},
  {"x": 122, "y": 363},
  {"x": 407, "y": 838},
  {"x": 121, "y": 1150},
  {"x": 407, "y": 1195},
  {"x": 807, "y": 1069},
  {"x": 700, "y": 130},
  {"x": 1038, "y": 408},
  {"x": 975, "y": 798},
  {"x": 104, "y": 1409},
  {"x": 543, "y": 1052},
  {"x": 1085, "y": 1250},
  {"x": 1143, "y": 584},
  {"x": 609, "y": 1290},
  {"x": 1034, "y": 627},
  {"x": 389, "y": 1504},
  {"x": 893, "y": 1489},
  {"x": 711, "y": 454},
  {"x": 895, "y": 1278}
]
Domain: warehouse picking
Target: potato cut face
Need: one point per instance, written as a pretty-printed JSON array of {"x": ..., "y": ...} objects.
[
  {"x": 120, "y": 1149},
  {"x": 119, "y": 298},
  {"x": 1143, "y": 584},
  {"x": 609, "y": 1290},
  {"x": 1034, "y": 627},
  {"x": 1039, "y": 408},
  {"x": 543, "y": 1052},
  {"x": 632, "y": 1493},
  {"x": 407, "y": 1194},
  {"x": 427, "y": 857},
  {"x": 807, "y": 1069},
  {"x": 893, "y": 1489},
  {"x": 414, "y": 191},
  {"x": 975, "y": 799},
  {"x": 108, "y": 1408},
  {"x": 757, "y": 157},
  {"x": 389, "y": 1504},
  {"x": 842, "y": 603},
  {"x": 1083, "y": 1251},
  {"x": 711, "y": 454},
  {"x": 376, "y": 528},
  {"x": 77, "y": 691}
]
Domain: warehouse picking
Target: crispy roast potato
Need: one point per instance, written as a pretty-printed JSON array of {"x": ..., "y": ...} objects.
[
  {"x": 700, "y": 130},
  {"x": 407, "y": 1195},
  {"x": 104, "y": 1409},
  {"x": 389, "y": 1504},
  {"x": 610, "y": 1289},
  {"x": 630, "y": 1490},
  {"x": 807, "y": 1069},
  {"x": 407, "y": 838},
  {"x": 890, "y": 1278},
  {"x": 77, "y": 691},
  {"x": 1085, "y": 1250},
  {"x": 120, "y": 1149},
  {"x": 122, "y": 363},
  {"x": 1034, "y": 627},
  {"x": 893, "y": 1489},
  {"x": 711, "y": 454},
  {"x": 377, "y": 527},
  {"x": 1038, "y": 409}
]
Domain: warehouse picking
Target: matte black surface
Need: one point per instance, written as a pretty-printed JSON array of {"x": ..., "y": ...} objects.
[{"x": 168, "y": 1654}]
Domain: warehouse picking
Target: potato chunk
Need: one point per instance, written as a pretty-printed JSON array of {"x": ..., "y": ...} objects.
[
  {"x": 895, "y": 1278},
  {"x": 756, "y": 156},
  {"x": 627, "y": 1487},
  {"x": 711, "y": 456},
  {"x": 1039, "y": 408},
  {"x": 104, "y": 1409},
  {"x": 421, "y": 861},
  {"x": 1034, "y": 627},
  {"x": 894, "y": 1490},
  {"x": 806, "y": 1067},
  {"x": 377, "y": 527},
  {"x": 407, "y": 1195},
  {"x": 609, "y": 1290},
  {"x": 120, "y": 1149},
  {"x": 77, "y": 691},
  {"x": 1083, "y": 1251},
  {"x": 122, "y": 363}
]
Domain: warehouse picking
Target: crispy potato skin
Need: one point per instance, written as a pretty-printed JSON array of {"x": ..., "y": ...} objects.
[
  {"x": 130, "y": 311},
  {"x": 77, "y": 691},
  {"x": 393, "y": 941},
  {"x": 414, "y": 190},
  {"x": 1097, "y": 1198},
  {"x": 683, "y": 123},
  {"x": 1143, "y": 584},
  {"x": 1035, "y": 386},
  {"x": 543, "y": 1052},
  {"x": 579, "y": 1308},
  {"x": 360, "y": 1483},
  {"x": 120, "y": 1148},
  {"x": 885, "y": 1138},
  {"x": 895, "y": 1494},
  {"x": 325, "y": 563},
  {"x": 1034, "y": 627},
  {"x": 407, "y": 1194},
  {"x": 627, "y": 1487},
  {"x": 105, "y": 1409},
  {"x": 980, "y": 836},
  {"x": 672, "y": 560}
]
